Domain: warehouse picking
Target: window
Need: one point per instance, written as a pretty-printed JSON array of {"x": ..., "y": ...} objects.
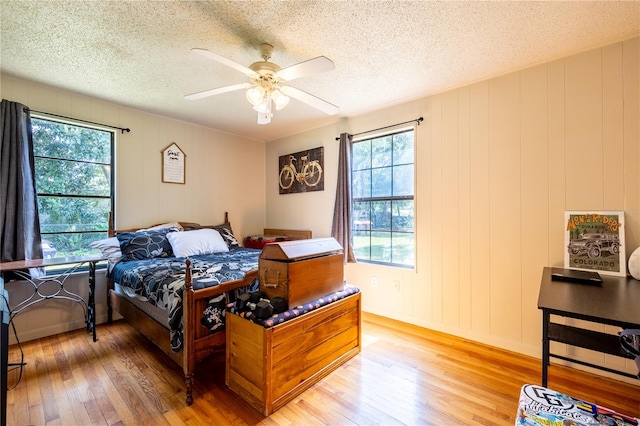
[
  {"x": 382, "y": 187},
  {"x": 74, "y": 182}
]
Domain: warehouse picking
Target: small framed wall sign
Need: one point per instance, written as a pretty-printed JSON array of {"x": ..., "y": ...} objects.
[
  {"x": 173, "y": 164},
  {"x": 594, "y": 241}
]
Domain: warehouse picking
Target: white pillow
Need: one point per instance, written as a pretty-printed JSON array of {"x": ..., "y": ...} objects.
[
  {"x": 110, "y": 248},
  {"x": 200, "y": 241}
]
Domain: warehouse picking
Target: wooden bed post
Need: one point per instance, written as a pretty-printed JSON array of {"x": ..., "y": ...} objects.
[
  {"x": 188, "y": 327},
  {"x": 110, "y": 284},
  {"x": 111, "y": 232}
]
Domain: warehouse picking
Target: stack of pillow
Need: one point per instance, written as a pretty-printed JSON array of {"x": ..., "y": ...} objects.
[{"x": 167, "y": 240}]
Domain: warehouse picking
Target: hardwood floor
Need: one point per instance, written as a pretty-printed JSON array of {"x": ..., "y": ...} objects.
[{"x": 404, "y": 375}]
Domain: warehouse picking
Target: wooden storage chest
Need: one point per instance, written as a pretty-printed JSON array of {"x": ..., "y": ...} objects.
[
  {"x": 268, "y": 367},
  {"x": 301, "y": 271}
]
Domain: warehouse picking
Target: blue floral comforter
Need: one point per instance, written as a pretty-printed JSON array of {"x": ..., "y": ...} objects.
[{"x": 160, "y": 281}]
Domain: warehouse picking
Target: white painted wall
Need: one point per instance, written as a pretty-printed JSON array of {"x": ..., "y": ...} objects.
[
  {"x": 224, "y": 172},
  {"x": 498, "y": 162}
]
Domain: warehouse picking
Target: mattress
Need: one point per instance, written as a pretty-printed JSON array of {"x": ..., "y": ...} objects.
[{"x": 157, "y": 314}]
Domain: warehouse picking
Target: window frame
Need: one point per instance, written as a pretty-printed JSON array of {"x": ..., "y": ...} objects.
[
  {"x": 112, "y": 187},
  {"x": 390, "y": 199}
]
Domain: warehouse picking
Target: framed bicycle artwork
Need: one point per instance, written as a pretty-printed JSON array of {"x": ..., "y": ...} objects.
[
  {"x": 301, "y": 171},
  {"x": 594, "y": 241}
]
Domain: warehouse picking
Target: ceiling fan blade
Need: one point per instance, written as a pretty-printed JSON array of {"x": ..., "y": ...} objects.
[
  {"x": 219, "y": 90},
  {"x": 309, "y": 99},
  {"x": 225, "y": 61},
  {"x": 303, "y": 69}
]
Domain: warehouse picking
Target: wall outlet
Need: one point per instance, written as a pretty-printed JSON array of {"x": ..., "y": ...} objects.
[{"x": 374, "y": 282}]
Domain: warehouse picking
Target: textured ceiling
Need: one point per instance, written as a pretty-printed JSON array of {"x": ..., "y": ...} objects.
[{"x": 137, "y": 53}]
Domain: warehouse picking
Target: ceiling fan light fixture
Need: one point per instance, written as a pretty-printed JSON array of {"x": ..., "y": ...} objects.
[
  {"x": 264, "y": 107},
  {"x": 264, "y": 92},
  {"x": 255, "y": 95},
  {"x": 264, "y": 111},
  {"x": 279, "y": 99},
  {"x": 264, "y": 118}
]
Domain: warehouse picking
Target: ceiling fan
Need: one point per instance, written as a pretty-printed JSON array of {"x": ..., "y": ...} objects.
[{"x": 267, "y": 87}]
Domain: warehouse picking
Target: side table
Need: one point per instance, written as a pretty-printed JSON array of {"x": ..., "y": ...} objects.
[
  {"x": 40, "y": 285},
  {"x": 615, "y": 303}
]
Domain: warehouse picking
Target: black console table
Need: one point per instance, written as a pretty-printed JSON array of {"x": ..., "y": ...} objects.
[
  {"x": 41, "y": 290},
  {"x": 615, "y": 302}
]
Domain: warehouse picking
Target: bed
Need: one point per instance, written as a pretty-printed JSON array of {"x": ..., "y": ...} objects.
[{"x": 178, "y": 299}]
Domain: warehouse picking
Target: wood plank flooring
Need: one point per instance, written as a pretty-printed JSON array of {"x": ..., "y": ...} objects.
[{"x": 404, "y": 375}]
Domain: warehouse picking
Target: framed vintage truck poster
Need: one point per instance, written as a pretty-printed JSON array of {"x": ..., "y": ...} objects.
[{"x": 594, "y": 241}]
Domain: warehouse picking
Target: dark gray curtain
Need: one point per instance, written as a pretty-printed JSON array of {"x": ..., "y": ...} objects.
[
  {"x": 19, "y": 223},
  {"x": 341, "y": 228}
]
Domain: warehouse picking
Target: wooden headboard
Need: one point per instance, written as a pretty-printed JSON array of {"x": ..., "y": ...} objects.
[
  {"x": 293, "y": 234},
  {"x": 186, "y": 225}
]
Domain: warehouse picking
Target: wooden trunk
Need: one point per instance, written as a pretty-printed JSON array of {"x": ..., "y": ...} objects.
[
  {"x": 268, "y": 367},
  {"x": 301, "y": 271}
]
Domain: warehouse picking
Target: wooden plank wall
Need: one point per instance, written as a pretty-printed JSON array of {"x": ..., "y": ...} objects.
[{"x": 497, "y": 164}]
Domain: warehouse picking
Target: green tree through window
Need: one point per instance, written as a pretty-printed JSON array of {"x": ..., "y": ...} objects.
[
  {"x": 74, "y": 181},
  {"x": 382, "y": 187}
]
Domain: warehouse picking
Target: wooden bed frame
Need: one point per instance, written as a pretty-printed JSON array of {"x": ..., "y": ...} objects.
[{"x": 198, "y": 342}]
